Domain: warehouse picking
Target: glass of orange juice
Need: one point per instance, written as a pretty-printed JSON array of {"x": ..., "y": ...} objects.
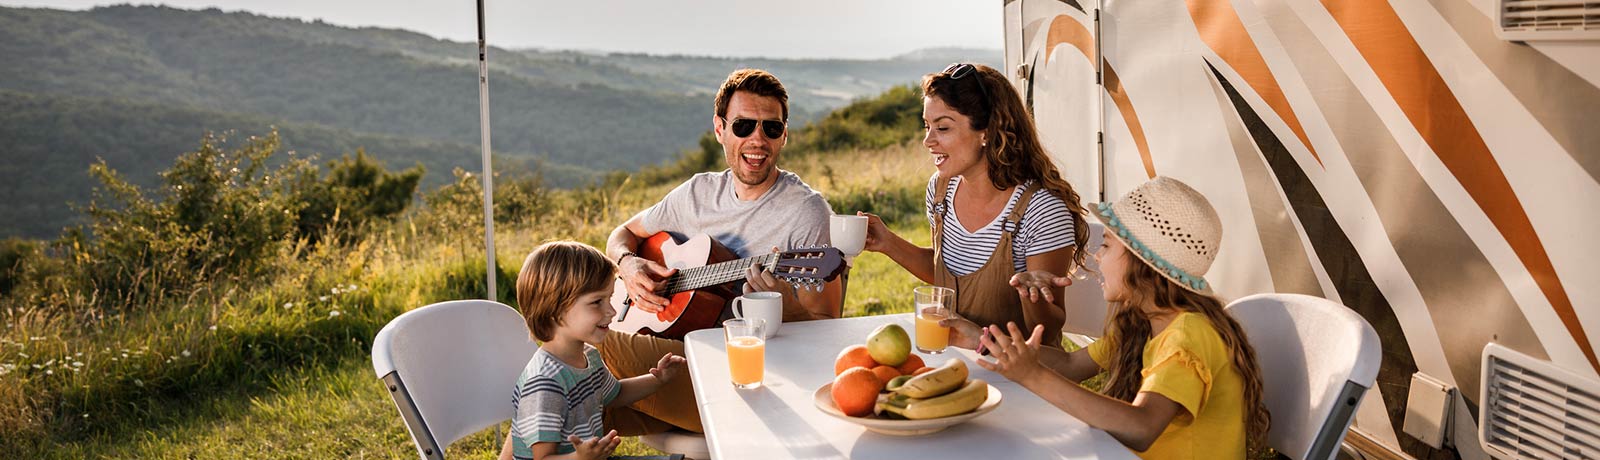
[
  {"x": 747, "y": 351},
  {"x": 932, "y": 305}
]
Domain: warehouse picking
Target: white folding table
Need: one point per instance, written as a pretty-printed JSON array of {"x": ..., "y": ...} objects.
[{"x": 779, "y": 420}]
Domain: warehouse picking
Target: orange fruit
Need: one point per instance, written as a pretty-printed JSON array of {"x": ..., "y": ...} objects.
[
  {"x": 855, "y": 391},
  {"x": 920, "y": 371},
  {"x": 853, "y": 356},
  {"x": 885, "y": 373},
  {"x": 911, "y": 365}
]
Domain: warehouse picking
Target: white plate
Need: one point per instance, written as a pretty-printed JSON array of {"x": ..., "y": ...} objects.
[{"x": 823, "y": 399}]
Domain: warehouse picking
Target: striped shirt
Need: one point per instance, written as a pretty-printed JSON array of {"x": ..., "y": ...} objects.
[
  {"x": 1047, "y": 225},
  {"x": 553, "y": 400}
]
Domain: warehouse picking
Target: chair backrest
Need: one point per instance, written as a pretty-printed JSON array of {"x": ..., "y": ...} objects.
[
  {"x": 451, "y": 367},
  {"x": 1317, "y": 359},
  {"x": 1084, "y": 300}
]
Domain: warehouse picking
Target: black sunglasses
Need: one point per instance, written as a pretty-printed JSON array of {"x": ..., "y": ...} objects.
[
  {"x": 962, "y": 70},
  {"x": 743, "y": 127}
]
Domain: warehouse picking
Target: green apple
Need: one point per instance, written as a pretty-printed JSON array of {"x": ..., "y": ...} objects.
[{"x": 889, "y": 345}]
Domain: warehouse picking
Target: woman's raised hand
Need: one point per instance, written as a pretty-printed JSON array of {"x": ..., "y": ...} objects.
[{"x": 1039, "y": 284}]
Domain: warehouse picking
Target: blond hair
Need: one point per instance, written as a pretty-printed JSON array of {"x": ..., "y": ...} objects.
[
  {"x": 553, "y": 276},
  {"x": 1131, "y": 331}
]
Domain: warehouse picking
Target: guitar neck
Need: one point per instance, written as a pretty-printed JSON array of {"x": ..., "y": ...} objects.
[{"x": 711, "y": 275}]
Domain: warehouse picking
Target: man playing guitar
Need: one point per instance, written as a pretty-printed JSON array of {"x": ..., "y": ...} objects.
[{"x": 751, "y": 209}]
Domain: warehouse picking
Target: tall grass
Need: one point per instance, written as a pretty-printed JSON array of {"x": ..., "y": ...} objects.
[{"x": 275, "y": 364}]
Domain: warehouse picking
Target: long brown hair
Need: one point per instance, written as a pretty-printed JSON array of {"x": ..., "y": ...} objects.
[
  {"x": 1130, "y": 330},
  {"x": 1016, "y": 155}
]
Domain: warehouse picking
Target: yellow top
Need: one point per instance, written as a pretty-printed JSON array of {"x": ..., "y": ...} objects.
[{"x": 1188, "y": 363}]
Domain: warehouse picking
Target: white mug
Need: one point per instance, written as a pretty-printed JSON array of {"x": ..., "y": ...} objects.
[
  {"x": 848, "y": 233},
  {"x": 766, "y": 305}
]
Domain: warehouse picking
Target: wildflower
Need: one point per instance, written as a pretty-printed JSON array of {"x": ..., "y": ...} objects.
[
  {"x": 138, "y": 382},
  {"x": 334, "y": 313},
  {"x": 124, "y": 355},
  {"x": 322, "y": 299},
  {"x": 75, "y": 369},
  {"x": 335, "y": 290},
  {"x": 36, "y": 366},
  {"x": 213, "y": 327},
  {"x": 36, "y": 339},
  {"x": 85, "y": 415},
  {"x": 50, "y": 362},
  {"x": 288, "y": 305},
  {"x": 186, "y": 353},
  {"x": 77, "y": 364},
  {"x": 49, "y": 372},
  {"x": 25, "y": 355},
  {"x": 78, "y": 354}
]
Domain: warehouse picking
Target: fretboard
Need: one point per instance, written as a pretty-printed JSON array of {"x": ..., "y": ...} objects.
[{"x": 711, "y": 275}]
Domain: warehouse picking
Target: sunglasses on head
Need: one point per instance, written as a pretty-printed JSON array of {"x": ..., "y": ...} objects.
[
  {"x": 962, "y": 70},
  {"x": 744, "y": 127}
]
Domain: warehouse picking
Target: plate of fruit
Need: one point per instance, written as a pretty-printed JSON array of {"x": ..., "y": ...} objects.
[{"x": 919, "y": 400}]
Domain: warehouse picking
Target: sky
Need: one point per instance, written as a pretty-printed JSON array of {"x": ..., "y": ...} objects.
[{"x": 860, "y": 29}]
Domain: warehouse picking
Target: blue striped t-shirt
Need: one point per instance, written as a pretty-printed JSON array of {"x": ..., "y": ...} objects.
[
  {"x": 1046, "y": 226},
  {"x": 554, "y": 400}
]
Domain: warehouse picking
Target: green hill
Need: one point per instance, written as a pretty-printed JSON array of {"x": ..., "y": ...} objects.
[{"x": 138, "y": 85}]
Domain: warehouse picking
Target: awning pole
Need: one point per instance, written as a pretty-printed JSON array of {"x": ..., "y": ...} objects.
[{"x": 488, "y": 169}]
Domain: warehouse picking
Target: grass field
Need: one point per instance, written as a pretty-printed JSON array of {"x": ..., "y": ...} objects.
[{"x": 278, "y": 366}]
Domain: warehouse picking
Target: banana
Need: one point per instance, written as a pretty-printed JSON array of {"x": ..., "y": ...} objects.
[
  {"x": 945, "y": 379},
  {"x": 896, "y": 382},
  {"x": 961, "y": 401}
]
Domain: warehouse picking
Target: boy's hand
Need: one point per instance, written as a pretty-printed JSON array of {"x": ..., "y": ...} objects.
[
  {"x": 1013, "y": 358},
  {"x": 668, "y": 368},
  {"x": 597, "y": 448}
]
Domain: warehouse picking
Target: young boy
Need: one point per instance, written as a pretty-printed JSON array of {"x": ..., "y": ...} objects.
[{"x": 564, "y": 293}]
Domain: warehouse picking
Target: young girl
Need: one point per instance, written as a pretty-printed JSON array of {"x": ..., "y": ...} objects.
[
  {"x": 564, "y": 293},
  {"x": 1183, "y": 378}
]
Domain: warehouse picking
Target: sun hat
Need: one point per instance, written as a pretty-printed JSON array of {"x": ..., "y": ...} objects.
[{"x": 1168, "y": 225}]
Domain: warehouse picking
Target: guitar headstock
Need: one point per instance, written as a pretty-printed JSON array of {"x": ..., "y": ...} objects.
[{"x": 809, "y": 267}]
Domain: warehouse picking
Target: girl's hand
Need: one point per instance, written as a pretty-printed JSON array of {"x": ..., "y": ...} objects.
[
  {"x": 963, "y": 332},
  {"x": 877, "y": 233},
  {"x": 668, "y": 368},
  {"x": 597, "y": 448},
  {"x": 1039, "y": 284},
  {"x": 1013, "y": 358}
]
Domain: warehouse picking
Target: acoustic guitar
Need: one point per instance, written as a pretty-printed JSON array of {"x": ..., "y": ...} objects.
[{"x": 707, "y": 279}]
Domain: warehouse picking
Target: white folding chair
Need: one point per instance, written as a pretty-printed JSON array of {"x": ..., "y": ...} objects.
[
  {"x": 450, "y": 368},
  {"x": 1084, "y": 300},
  {"x": 1317, "y": 359}
]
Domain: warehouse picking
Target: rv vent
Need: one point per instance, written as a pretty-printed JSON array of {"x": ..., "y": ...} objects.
[
  {"x": 1522, "y": 20},
  {"x": 1536, "y": 410}
]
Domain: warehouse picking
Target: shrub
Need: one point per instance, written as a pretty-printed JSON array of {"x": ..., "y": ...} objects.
[
  {"x": 218, "y": 213},
  {"x": 357, "y": 191}
]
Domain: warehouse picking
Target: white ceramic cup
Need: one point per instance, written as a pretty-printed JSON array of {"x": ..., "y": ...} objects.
[
  {"x": 765, "y": 305},
  {"x": 848, "y": 233}
]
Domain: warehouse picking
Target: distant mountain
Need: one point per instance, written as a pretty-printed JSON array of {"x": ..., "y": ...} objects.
[{"x": 139, "y": 85}]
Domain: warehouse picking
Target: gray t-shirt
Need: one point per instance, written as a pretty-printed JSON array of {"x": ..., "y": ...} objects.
[{"x": 789, "y": 215}]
